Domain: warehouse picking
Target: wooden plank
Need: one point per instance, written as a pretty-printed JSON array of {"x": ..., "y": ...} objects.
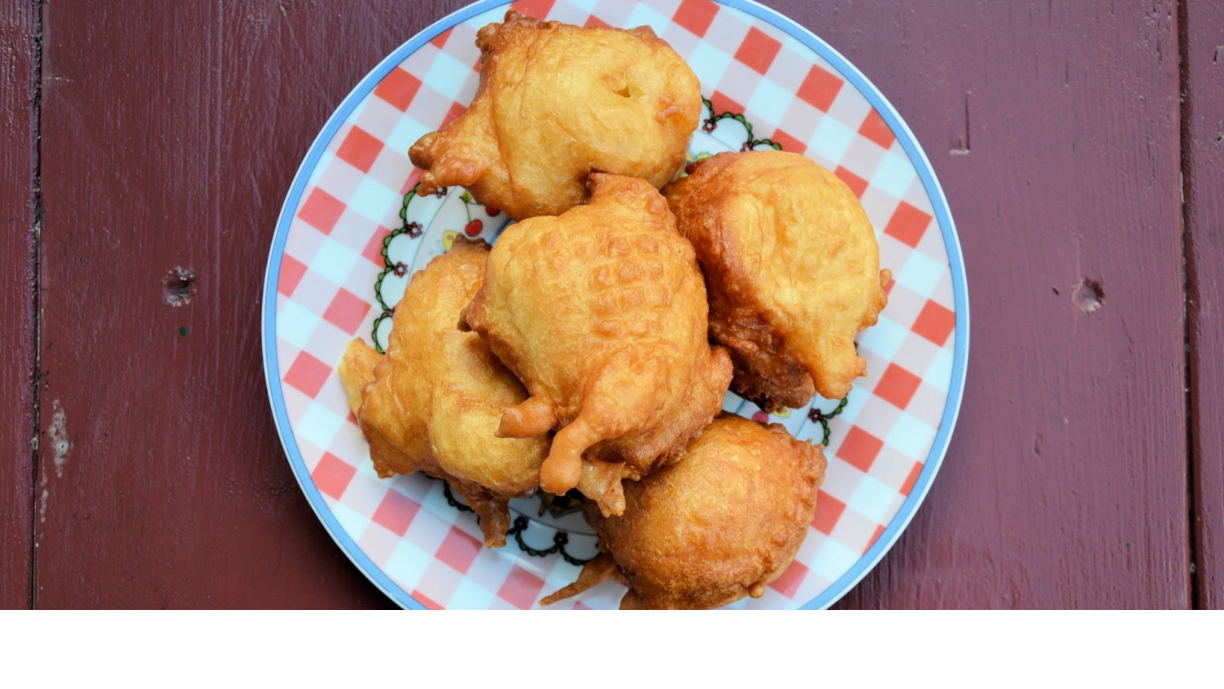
[
  {"x": 16, "y": 283},
  {"x": 1065, "y": 484},
  {"x": 176, "y": 150},
  {"x": 1204, "y": 171}
]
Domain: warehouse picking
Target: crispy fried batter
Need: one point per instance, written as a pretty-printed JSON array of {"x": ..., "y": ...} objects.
[
  {"x": 792, "y": 268},
  {"x": 433, "y": 403},
  {"x": 557, "y": 101},
  {"x": 356, "y": 369},
  {"x": 593, "y": 573},
  {"x": 601, "y": 312},
  {"x": 719, "y": 524}
]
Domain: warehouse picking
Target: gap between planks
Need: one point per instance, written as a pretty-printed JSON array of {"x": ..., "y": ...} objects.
[
  {"x": 1189, "y": 288},
  {"x": 36, "y": 223}
]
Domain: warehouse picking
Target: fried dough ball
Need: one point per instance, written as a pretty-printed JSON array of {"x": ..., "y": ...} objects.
[
  {"x": 433, "y": 403},
  {"x": 556, "y": 102},
  {"x": 792, "y": 267},
  {"x": 601, "y": 312},
  {"x": 720, "y": 524}
]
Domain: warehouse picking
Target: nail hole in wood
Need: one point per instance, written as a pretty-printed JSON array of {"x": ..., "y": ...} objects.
[
  {"x": 178, "y": 287},
  {"x": 1088, "y": 295}
]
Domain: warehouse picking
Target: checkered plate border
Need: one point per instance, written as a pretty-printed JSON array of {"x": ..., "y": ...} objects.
[{"x": 800, "y": 93}]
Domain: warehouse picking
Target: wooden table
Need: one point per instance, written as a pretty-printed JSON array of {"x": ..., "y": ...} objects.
[{"x": 1075, "y": 141}]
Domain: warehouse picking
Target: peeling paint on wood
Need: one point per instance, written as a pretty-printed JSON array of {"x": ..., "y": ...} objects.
[{"x": 61, "y": 446}]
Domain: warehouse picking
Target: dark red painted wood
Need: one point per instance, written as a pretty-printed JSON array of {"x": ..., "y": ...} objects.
[
  {"x": 1065, "y": 485},
  {"x": 176, "y": 150},
  {"x": 1066, "y": 482},
  {"x": 1204, "y": 64},
  {"x": 16, "y": 281}
]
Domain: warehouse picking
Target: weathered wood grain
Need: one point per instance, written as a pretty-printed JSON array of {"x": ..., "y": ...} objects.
[
  {"x": 16, "y": 280},
  {"x": 1204, "y": 171},
  {"x": 1065, "y": 484},
  {"x": 176, "y": 150}
]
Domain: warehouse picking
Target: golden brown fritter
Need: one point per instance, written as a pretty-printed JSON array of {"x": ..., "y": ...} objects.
[
  {"x": 356, "y": 370},
  {"x": 792, "y": 267},
  {"x": 719, "y": 524},
  {"x": 433, "y": 403},
  {"x": 556, "y": 102},
  {"x": 601, "y": 312}
]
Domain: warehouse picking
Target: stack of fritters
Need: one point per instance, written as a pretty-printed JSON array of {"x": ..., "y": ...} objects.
[
  {"x": 601, "y": 312},
  {"x": 434, "y": 402},
  {"x": 625, "y": 314}
]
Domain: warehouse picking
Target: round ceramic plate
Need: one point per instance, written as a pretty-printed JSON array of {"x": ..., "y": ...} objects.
[{"x": 353, "y": 230}]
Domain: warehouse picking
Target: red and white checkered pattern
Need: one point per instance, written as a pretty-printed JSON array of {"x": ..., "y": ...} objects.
[{"x": 791, "y": 96}]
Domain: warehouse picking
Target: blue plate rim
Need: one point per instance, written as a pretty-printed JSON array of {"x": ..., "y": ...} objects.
[{"x": 909, "y": 143}]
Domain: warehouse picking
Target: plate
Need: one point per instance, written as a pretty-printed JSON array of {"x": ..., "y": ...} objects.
[{"x": 353, "y": 230}]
